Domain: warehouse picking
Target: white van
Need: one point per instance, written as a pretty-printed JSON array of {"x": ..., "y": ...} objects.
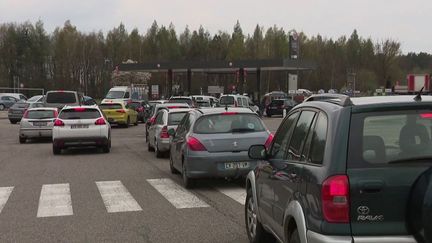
[
  {"x": 234, "y": 100},
  {"x": 205, "y": 100},
  {"x": 125, "y": 93}
]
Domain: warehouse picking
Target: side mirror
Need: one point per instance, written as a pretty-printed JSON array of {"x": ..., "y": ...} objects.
[
  {"x": 257, "y": 152},
  {"x": 171, "y": 132}
]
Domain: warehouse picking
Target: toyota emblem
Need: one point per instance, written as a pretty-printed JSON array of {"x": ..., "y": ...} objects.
[{"x": 363, "y": 210}]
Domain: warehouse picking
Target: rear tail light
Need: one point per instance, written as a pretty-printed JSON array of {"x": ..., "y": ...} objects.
[
  {"x": 195, "y": 145},
  {"x": 152, "y": 120},
  {"x": 173, "y": 107},
  {"x": 269, "y": 140},
  {"x": 58, "y": 123},
  {"x": 121, "y": 111},
  {"x": 25, "y": 114},
  {"x": 100, "y": 121},
  {"x": 335, "y": 199},
  {"x": 141, "y": 109},
  {"x": 164, "y": 132}
]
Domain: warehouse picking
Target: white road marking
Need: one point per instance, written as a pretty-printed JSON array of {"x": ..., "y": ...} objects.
[
  {"x": 4, "y": 196},
  {"x": 116, "y": 197},
  {"x": 55, "y": 200},
  {"x": 176, "y": 194},
  {"x": 238, "y": 194}
]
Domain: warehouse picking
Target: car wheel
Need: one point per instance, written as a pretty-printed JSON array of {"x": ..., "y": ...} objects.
[
  {"x": 107, "y": 148},
  {"x": 255, "y": 231},
  {"x": 149, "y": 147},
  {"x": 22, "y": 140},
  {"x": 295, "y": 237},
  {"x": 13, "y": 121},
  {"x": 136, "y": 122},
  {"x": 2, "y": 107},
  {"x": 56, "y": 150},
  {"x": 159, "y": 154},
  {"x": 172, "y": 169},
  {"x": 187, "y": 181},
  {"x": 269, "y": 115}
]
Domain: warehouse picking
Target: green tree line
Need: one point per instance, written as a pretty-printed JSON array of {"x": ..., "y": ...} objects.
[{"x": 71, "y": 59}]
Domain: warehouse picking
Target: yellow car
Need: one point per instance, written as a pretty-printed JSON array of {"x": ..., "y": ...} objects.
[{"x": 119, "y": 113}]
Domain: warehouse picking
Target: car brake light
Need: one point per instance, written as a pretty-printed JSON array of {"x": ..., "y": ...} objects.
[
  {"x": 58, "y": 123},
  {"x": 100, "y": 121},
  {"x": 173, "y": 107},
  {"x": 426, "y": 115},
  {"x": 335, "y": 199},
  {"x": 269, "y": 140},
  {"x": 25, "y": 114},
  {"x": 152, "y": 120},
  {"x": 195, "y": 145},
  {"x": 79, "y": 109},
  {"x": 121, "y": 111},
  {"x": 229, "y": 113},
  {"x": 164, "y": 132}
]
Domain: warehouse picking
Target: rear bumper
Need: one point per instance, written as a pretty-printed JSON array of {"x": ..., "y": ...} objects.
[
  {"x": 163, "y": 144},
  {"x": 313, "y": 237},
  {"x": 36, "y": 133},
  {"x": 117, "y": 119},
  {"x": 212, "y": 165},
  {"x": 80, "y": 142}
]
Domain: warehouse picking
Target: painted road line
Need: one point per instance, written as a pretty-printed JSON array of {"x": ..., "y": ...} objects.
[
  {"x": 116, "y": 197},
  {"x": 238, "y": 194},
  {"x": 4, "y": 196},
  {"x": 176, "y": 194},
  {"x": 55, "y": 200}
]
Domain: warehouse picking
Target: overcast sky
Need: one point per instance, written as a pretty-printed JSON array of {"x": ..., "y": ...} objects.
[{"x": 407, "y": 21}]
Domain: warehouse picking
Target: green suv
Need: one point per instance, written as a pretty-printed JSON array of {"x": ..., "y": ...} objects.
[{"x": 345, "y": 169}]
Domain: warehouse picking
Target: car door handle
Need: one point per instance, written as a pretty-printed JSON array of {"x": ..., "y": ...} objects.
[{"x": 371, "y": 186}]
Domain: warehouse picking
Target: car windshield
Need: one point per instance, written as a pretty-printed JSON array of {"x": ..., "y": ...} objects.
[
  {"x": 41, "y": 114},
  {"x": 34, "y": 98},
  {"x": 61, "y": 98},
  {"x": 115, "y": 95},
  {"x": 110, "y": 106},
  {"x": 229, "y": 123},
  {"x": 277, "y": 102},
  {"x": 203, "y": 104},
  {"x": 181, "y": 100},
  {"x": 390, "y": 137},
  {"x": 175, "y": 118},
  {"x": 226, "y": 100},
  {"x": 79, "y": 113}
]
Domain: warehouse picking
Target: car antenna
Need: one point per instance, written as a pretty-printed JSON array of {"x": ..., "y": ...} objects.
[{"x": 418, "y": 96}]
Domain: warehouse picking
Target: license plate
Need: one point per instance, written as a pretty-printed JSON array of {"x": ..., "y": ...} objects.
[
  {"x": 236, "y": 165},
  {"x": 40, "y": 124},
  {"x": 79, "y": 126}
]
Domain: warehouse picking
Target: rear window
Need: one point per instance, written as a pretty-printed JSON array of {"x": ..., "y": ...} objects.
[
  {"x": 61, "y": 98},
  {"x": 181, "y": 100},
  {"x": 110, "y": 106},
  {"x": 231, "y": 123},
  {"x": 386, "y": 138},
  {"x": 203, "y": 104},
  {"x": 175, "y": 118},
  {"x": 226, "y": 100},
  {"x": 20, "y": 105},
  {"x": 277, "y": 102},
  {"x": 41, "y": 114},
  {"x": 134, "y": 106},
  {"x": 115, "y": 95},
  {"x": 76, "y": 114}
]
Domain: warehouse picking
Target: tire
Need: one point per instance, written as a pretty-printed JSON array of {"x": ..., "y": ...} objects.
[
  {"x": 136, "y": 122},
  {"x": 254, "y": 229},
  {"x": 127, "y": 122},
  {"x": 149, "y": 147},
  {"x": 158, "y": 153},
  {"x": 56, "y": 150},
  {"x": 107, "y": 148},
  {"x": 187, "y": 181},
  {"x": 13, "y": 121},
  {"x": 172, "y": 169},
  {"x": 295, "y": 237},
  {"x": 22, "y": 140},
  {"x": 2, "y": 107}
]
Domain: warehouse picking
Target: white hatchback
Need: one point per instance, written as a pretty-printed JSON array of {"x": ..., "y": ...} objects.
[{"x": 81, "y": 126}]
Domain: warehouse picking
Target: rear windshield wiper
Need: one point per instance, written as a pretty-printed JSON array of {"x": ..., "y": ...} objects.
[
  {"x": 412, "y": 160},
  {"x": 243, "y": 130}
]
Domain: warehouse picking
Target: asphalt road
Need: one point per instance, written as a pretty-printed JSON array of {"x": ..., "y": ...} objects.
[{"x": 125, "y": 196}]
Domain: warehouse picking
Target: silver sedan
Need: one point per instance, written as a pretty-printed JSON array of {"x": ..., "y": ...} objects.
[{"x": 37, "y": 123}]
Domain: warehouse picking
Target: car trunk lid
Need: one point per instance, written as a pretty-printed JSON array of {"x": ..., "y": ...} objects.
[{"x": 232, "y": 142}]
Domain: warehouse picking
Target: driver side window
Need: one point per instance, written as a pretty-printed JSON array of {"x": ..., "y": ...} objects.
[{"x": 281, "y": 140}]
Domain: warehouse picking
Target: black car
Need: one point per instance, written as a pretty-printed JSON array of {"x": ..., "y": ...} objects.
[
  {"x": 140, "y": 107},
  {"x": 344, "y": 169},
  {"x": 277, "y": 106}
]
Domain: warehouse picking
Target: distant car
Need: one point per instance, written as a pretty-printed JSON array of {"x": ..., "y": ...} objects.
[
  {"x": 234, "y": 100},
  {"x": 214, "y": 143},
  {"x": 276, "y": 107},
  {"x": 159, "y": 140},
  {"x": 36, "y": 98},
  {"x": 205, "y": 100},
  {"x": 119, "y": 113},
  {"x": 17, "y": 96},
  {"x": 79, "y": 126},
  {"x": 182, "y": 99},
  {"x": 17, "y": 111},
  {"x": 6, "y": 101},
  {"x": 61, "y": 98},
  {"x": 140, "y": 108},
  {"x": 87, "y": 100},
  {"x": 155, "y": 110},
  {"x": 37, "y": 123}
]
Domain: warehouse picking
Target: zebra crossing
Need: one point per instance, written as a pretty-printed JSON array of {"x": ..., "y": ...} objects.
[{"x": 56, "y": 200}]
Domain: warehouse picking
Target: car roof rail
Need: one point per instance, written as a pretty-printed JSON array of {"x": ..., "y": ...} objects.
[{"x": 338, "y": 99}]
